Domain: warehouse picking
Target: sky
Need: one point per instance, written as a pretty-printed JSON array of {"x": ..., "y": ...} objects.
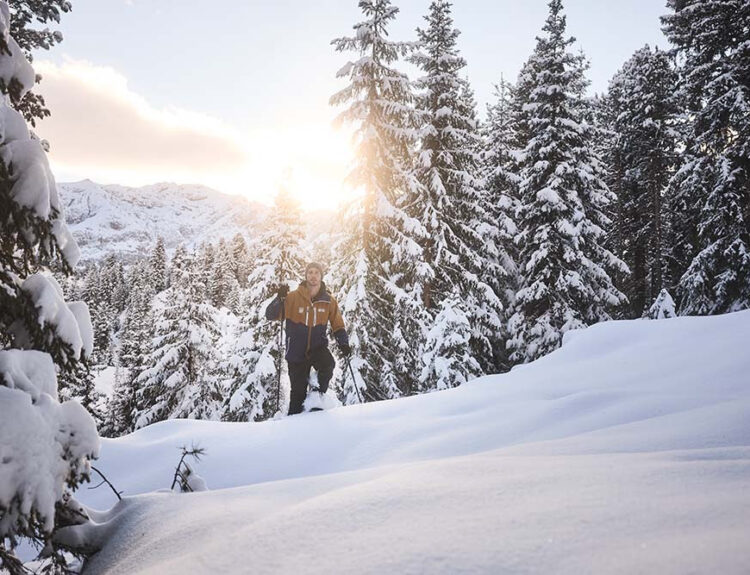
[{"x": 234, "y": 94}]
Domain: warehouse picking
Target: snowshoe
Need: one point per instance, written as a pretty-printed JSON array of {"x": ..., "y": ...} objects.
[{"x": 314, "y": 400}]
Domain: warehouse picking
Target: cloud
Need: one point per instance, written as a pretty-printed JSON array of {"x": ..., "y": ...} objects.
[
  {"x": 100, "y": 126},
  {"x": 102, "y": 130}
]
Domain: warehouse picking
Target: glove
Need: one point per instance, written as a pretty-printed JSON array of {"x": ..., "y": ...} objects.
[
  {"x": 345, "y": 349},
  {"x": 282, "y": 290}
]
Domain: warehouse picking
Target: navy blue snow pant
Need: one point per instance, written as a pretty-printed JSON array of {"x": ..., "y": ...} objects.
[{"x": 299, "y": 376}]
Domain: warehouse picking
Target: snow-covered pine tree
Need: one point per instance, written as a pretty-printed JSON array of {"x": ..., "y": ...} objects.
[
  {"x": 157, "y": 270},
  {"x": 240, "y": 259},
  {"x": 133, "y": 351},
  {"x": 94, "y": 297},
  {"x": 663, "y": 307},
  {"x": 79, "y": 385},
  {"x": 450, "y": 202},
  {"x": 181, "y": 380},
  {"x": 447, "y": 361},
  {"x": 566, "y": 282},
  {"x": 176, "y": 265},
  {"x": 114, "y": 290},
  {"x": 376, "y": 246},
  {"x": 205, "y": 262},
  {"x": 441, "y": 165},
  {"x": 488, "y": 275},
  {"x": 234, "y": 297},
  {"x": 47, "y": 445},
  {"x": 500, "y": 168},
  {"x": 252, "y": 369},
  {"x": 106, "y": 293},
  {"x": 599, "y": 202},
  {"x": 712, "y": 45},
  {"x": 520, "y": 109},
  {"x": 641, "y": 154},
  {"x": 225, "y": 286}
]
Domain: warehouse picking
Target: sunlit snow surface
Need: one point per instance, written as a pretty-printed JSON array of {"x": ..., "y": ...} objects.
[{"x": 627, "y": 451}]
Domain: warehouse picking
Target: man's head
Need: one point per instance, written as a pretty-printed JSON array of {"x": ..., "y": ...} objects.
[{"x": 313, "y": 274}]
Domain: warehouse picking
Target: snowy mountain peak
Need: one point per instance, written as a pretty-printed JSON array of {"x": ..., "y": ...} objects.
[{"x": 125, "y": 220}]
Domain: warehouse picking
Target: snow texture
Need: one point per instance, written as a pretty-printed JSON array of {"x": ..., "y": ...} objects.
[
  {"x": 71, "y": 321},
  {"x": 44, "y": 443},
  {"x": 14, "y": 66},
  {"x": 30, "y": 371},
  {"x": 625, "y": 451}
]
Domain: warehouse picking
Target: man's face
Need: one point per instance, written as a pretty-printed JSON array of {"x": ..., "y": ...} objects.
[{"x": 313, "y": 277}]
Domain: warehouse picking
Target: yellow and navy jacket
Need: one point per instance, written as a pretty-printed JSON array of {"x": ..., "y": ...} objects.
[{"x": 307, "y": 320}]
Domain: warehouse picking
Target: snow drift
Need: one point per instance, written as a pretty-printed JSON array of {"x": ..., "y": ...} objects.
[{"x": 628, "y": 450}]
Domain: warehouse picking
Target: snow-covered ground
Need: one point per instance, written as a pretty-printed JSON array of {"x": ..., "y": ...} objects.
[{"x": 626, "y": 451}]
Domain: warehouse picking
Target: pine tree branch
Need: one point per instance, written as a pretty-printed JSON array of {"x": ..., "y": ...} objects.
[{"x": 105, "y": 480}]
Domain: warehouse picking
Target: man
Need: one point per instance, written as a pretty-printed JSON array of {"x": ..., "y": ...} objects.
[{"x": 307, "y": 311}]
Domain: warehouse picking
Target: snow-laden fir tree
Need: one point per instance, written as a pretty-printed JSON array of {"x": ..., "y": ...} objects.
[
  {"x": 113, "y": 282},
  {"x": 712, "y": 45},
  {"x": 641, "y": 154},
  {"x": 177, "y": 263},
  {"x": 566, "y": 282},
  {"x": 252, "y": 370},
  {"x": 205, "y": 264},
  {"x": 450, "y": 202},
  {"x": 500, "y": 168},
  {"x": 101, "y": 316},
  {"x": 598, "y": 202},
  {"x": 226, "y": 288},
  {"x": 520, "y": 109},
  {"x": 46, "y": 445},
  {"x": 447, "y": 360},
  {"x": 157, "y": 270},
  {"x": 133, "y": 351},
  {"x": 106, "y": 293},
  {"x": 240, "y": 259},
  {"x": 490, "y": 273},
  {"x": 79, "y": 385},
  {"x": 663, "y": 307},
  {"x": 181, "y": 379},
  {"x": 376, "y": 249}
]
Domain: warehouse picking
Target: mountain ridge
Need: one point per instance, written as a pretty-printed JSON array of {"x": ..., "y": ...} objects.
[{"x": 128, "y": 220}]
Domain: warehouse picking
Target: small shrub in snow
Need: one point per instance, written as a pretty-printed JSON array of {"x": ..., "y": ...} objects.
[
  {"x": 184, "y": 476},
  {"x": 663, "y": 307}
]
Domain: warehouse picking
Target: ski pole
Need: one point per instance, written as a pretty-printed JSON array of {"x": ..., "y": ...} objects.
[
  {"x": 354, "y": 379},
  {"x": 282, "y": 343}
]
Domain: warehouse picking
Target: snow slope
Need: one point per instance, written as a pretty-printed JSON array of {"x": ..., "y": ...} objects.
[
  {"x": 118, "y": 219},
  {"x": 626, "y": 451}
]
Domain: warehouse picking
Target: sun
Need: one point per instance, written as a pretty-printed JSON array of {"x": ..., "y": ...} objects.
[{"x": 311, "y": 162}]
